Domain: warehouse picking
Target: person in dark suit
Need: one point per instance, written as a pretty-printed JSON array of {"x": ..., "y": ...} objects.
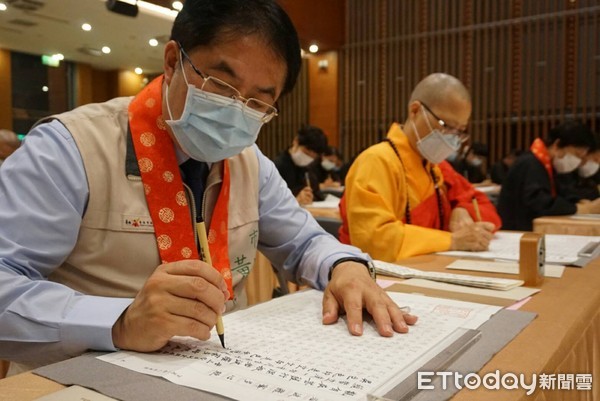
[
  {"x": 9, "y": 142},
  {"x": 293, "y": 163},
  {"x": 531, "y": 188},
  {"x": 500, "y": 168},
  {"x": 470, "y": 162}
]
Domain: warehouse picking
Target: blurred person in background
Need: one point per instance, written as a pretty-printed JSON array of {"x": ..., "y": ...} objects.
[
  {"x": 328, "y": 169},
  {"x": 500, "y": 168},
  {"x": 294, "y": 163},
  {"x": 532, "y": 188},
  {"x": 9, "y": 142}
]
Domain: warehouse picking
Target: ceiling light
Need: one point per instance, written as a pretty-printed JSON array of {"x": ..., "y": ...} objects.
[
  {"x": 177, "y": 5},
  {"x": 313, "y": 48},
  {"x": 2, "y": 7},
  {"x": 90, "y": 51},
  {"x": 105, "y": 49},
  {"x": 123, "y": 7},
  {"x": 86, "y": 27},
  {"x": 138, "y": 71},
  {"x": 156, "y": 10},
  {"x": 153, "y": 42},
  {"x": 58, "y": 57},
  {"x": 44, "y": 88}
]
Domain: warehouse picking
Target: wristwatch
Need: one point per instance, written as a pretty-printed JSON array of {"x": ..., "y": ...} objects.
[{"x": 368, "y": 264}]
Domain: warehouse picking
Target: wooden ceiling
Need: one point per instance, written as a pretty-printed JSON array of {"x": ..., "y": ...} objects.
[{"x": 319, "y": 21}]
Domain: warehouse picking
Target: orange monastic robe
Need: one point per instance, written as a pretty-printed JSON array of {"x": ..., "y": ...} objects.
[{"x": 378, "y": 187}]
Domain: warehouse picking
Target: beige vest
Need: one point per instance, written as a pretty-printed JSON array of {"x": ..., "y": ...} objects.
[{"x": 116, "y": 249}]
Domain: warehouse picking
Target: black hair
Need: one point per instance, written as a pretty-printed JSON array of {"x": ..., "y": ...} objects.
[
  {"x": 480, "y": 149},
  {"x": 571, "y": 133},
  {"x": 206, "y": 22},
  {"x": 332, "y": 151},
  {"x": 595, "y": 143},
  {"x": 313, "y": 138}
]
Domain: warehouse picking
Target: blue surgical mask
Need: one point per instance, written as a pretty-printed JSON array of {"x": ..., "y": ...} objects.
[{"x": 213, "y": 127}]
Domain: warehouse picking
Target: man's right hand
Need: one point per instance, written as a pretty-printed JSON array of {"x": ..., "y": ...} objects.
[
  {"x": 181, "y": 298},
  {"x": 474, "y": 237},
  {"x": 305, "y": 197}
]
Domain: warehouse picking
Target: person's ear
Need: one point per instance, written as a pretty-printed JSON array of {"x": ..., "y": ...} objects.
[
  {"x": 171, "y": 60},
  {"x": 414, "y": 108},
  {"x": 295, "y": 144}
]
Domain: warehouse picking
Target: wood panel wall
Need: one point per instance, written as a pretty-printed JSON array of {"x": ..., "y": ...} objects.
[
  {"x": 6, "y": 91},
  {"x": 323, "y": 93},
  {"x": 528, "y": 65}
]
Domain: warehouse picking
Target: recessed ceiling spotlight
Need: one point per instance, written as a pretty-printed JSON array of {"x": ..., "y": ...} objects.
[
  {"x": 177, "y": 5},
  {"x": 86, "y": 27},
  {"x": 58, "y": 56},
  {"x": 313, "y": 48},
  {"x": 2, "y": 7},
  {"x": 138, "y": 71},
  {"x": 153, "y": 42},
  {"x": 105, "y": 49},
  {"x": 45, "y": 88}
]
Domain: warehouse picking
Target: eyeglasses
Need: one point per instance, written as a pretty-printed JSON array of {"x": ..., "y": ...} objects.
[
  {"x": 222, "y": 88},
  {"x": 446, "y": 128}
]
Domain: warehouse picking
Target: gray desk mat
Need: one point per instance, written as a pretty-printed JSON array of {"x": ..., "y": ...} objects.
[{"x": 127, "y": 385}]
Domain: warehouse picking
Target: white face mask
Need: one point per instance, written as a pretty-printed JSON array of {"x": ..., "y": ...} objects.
[
  {"x": 566, "y": 164},
  {"x": 436, "y": 147},
  {"x": 477, "y": 162},
  {"x": 327, "y": 165},
  {"x": 301, "y": 159},
  {"x": 588, "y": 169}
]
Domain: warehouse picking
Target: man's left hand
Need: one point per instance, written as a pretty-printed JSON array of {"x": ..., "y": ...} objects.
[{"x": 351, "y": 290}]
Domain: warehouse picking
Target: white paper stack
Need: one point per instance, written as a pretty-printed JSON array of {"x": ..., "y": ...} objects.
[{"x": 493, "y": 283}]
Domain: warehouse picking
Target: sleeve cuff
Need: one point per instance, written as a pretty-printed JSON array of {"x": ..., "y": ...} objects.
[{"x": 89, "y": 323}]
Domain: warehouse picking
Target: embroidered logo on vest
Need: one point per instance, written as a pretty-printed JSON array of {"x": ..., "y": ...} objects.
[{"x": 137, "y": 223}]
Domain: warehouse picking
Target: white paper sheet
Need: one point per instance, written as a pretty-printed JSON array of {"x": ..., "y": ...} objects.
[
  {"x": 280, "y": 350},
  {"x": 489, "y": 266},
  {"x": 494, "y": 283},
  {"x": 330, "y": 202},
  {"x": 514, "y": 294},
  {"x": 560, "y": 249}
]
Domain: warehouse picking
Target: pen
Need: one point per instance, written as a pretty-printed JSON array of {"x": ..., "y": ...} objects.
[
  {"x": 307, "y": 178},
  {"x": 476, "y": 207},
  {"x": 205, "y": 256}
]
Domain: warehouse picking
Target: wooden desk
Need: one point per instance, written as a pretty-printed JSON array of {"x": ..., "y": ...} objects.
[
  {"x": 566, "y": 225},
  {"x": 564, "y": 338}
]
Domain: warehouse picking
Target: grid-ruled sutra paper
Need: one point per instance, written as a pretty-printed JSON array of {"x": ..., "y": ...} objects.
[{"x": 280, "y": 350}]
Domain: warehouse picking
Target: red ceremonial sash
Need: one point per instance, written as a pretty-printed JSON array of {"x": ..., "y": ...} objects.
[
  {"x": 539, "y": 150},
  {"x": 427, "y": 214},
  {"x": 164, "y": 190}
]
